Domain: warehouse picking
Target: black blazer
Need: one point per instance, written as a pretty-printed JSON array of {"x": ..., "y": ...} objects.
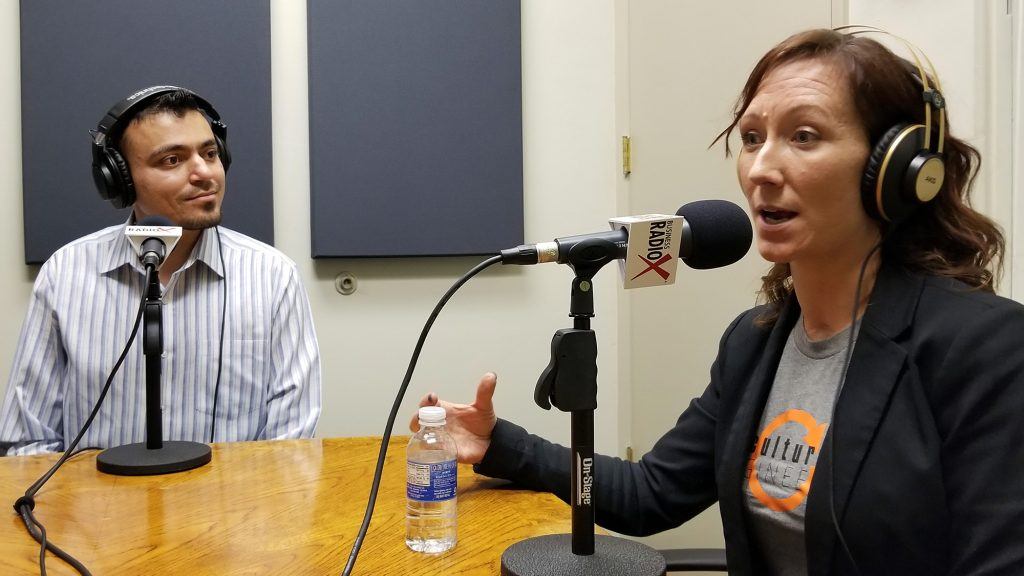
[{"x": 929, "y": 433}]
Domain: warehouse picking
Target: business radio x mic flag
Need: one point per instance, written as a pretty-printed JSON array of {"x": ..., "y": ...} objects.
[
  {"x": 153, "y": 238},
  {"x": 652, "y": 250}
]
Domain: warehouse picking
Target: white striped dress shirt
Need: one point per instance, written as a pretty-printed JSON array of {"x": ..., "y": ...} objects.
[{"x": 80, "y": 316}]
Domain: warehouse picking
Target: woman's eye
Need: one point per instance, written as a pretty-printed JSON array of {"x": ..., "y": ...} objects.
[
  {"x": 804, "y": 136},
  {"x": 751, "y": 138}
]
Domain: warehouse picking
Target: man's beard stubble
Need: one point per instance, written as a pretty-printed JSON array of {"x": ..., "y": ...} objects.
[
  {"x": 208, "y": 219},
  {"x": 202, "y": 222}
]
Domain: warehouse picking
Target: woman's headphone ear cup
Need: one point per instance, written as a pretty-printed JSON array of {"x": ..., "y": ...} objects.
[
  {"x": 869, "y": 191},
  {"x": 925, "y": 175},
  {"x": 901, "y": 174}
]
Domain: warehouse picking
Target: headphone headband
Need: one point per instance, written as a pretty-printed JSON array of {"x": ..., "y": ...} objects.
[
  {"x": 128, "y": 107},
  {"x": 932, "y": 97},
  {"x": 905, "y": 169}
]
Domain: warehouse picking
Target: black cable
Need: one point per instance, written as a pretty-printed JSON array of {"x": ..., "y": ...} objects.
[
  {"x": 398, "y": 403},
  {"x": 24, "y": 505},
  {"x": 835, "y": 401},
  {"x": 29, "y": 518},
  {"x": 223, "y": 313},
  {"x": 84, "y": 450}
]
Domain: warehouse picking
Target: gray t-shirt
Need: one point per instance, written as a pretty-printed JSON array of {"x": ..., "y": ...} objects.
[{"x": 790, "y": 437}]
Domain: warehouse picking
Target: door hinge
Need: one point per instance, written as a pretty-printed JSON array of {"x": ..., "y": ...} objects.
[{"x": 627, "y": 156}]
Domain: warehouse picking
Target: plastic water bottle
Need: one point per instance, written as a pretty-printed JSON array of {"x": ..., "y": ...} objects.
[{"x": 431, "y": 482}]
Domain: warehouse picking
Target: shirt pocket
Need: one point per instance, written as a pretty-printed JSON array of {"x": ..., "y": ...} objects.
[{"x": 241, "y": 393}]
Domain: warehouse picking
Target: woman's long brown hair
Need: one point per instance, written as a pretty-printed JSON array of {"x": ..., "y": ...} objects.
[{"x": 945, "y": 237}]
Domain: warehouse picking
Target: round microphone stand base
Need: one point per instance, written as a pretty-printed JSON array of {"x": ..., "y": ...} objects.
[
  {"x": 137, "y": 460},
  {"x": 552, "y": 556}
]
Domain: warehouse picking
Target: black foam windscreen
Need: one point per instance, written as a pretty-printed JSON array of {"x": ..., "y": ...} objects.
[{"x": 716, "y": 233}]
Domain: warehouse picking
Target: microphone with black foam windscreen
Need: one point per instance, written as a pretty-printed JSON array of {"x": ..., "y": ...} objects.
[
  {"x": 716, "y": 233},
  {"x": 710, "y": 234}
]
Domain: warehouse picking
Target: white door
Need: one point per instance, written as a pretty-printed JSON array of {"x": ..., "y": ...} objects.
[
  {"x": 687, "y": 62},
  {"x": 1015, "y": 10}
]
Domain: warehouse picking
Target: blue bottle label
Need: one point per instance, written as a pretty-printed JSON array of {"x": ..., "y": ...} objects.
[{"x": 432, "y": 482}]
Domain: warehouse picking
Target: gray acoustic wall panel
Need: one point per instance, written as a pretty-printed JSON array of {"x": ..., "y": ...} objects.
[
  {"x": 415, "y": 127},
  {"x": 79, "y": 57}
]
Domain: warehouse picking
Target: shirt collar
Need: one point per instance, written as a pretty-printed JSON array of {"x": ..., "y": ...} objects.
[
  {"x": 207, "y": 251},
  {"x": 121, "y": 252}
]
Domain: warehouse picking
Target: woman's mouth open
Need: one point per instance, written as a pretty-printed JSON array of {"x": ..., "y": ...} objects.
[{"x": 774, "y": 216}]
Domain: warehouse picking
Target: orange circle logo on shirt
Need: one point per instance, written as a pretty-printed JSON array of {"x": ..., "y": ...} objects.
[{"x": 815, "y": 435}]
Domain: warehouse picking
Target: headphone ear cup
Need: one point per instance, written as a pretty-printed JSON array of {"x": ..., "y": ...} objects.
[
  {"x": 123, "y": 194},
  {"x": 103, "y": 176},
  {"x": 870, "y": 191},
  {"x": 222, "y": 151},
  {"x": 900, "y": 174},
  {"x": 220, "y": 135},
  {"x": 924, "y": 177}
]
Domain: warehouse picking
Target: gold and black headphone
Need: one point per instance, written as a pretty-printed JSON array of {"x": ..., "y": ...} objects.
[{"x": 905, "y": 168}]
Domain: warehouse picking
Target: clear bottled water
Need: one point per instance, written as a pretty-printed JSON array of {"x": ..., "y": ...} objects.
[{"x": 431, "y": 483}]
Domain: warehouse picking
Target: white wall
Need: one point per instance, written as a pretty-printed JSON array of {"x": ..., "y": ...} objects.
[
  {"x": 16, "y": 283},
  {"x": 502, "y": 321},
  {"x": 1015, "y": 143}
]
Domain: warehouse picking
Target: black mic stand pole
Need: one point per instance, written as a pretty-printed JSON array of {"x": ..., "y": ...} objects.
[
  {"x": 570, "y": 383},
  {"x": 154, "y": 456}
]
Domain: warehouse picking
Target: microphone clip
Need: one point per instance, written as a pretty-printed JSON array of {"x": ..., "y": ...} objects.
[
  {"x": 589, "y": 255},
  {"x": 570, "y": 379}
]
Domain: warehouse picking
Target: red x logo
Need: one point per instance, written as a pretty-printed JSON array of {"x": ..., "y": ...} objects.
[{"x": 656, "y": 266}]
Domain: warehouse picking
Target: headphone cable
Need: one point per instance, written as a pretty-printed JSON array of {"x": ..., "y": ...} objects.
[
  {"x": 357, "y": 544},
  {"x": 223, "y": 314},
  {"x": 835, "y": 401},
  {"x": 26, "y": 504}
]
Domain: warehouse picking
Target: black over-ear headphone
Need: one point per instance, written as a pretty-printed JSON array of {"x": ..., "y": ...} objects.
[
  {"x": 905, "y": 168},
  {"x": 109, "y": 168}
]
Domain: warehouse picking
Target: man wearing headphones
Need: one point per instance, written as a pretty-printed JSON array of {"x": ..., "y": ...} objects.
[{"x": 240, "y": 361}]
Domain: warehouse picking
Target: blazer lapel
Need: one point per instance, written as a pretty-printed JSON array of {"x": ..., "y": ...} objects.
[
  {"x": 875, "y": 368},
  {"x": 742, "y": 434}
]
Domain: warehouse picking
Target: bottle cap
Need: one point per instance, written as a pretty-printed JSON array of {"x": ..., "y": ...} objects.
[{"x": 432, "y": 415}]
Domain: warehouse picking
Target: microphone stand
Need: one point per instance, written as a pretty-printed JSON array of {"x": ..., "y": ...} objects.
[
  {"x": 570, "y": 383},
  {"x": 154, "y": 456}
]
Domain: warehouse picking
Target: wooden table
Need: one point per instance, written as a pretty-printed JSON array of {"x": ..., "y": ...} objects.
[{"x": 280, "y": 507}]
